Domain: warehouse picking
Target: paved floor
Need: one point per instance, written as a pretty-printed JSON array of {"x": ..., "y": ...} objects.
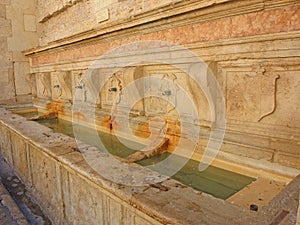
[{"x": 10, "y": 214}]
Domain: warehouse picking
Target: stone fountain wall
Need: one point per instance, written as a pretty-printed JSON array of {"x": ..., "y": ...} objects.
[
  {"x": 71, "y": 192},
  {"x": 252, "y": 47}
]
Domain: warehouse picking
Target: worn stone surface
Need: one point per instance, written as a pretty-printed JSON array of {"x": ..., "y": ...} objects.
[
  {"x": 264, "y": 191},
  {"x": 9, "y": 211},
  {"x": 17, "y": 34},
  {"x": 87, "y": 15},
  {"x": 5, "y": 56},
  {"x": 290, "y": 198}
]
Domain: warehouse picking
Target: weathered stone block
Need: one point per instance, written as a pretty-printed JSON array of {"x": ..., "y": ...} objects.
[
  {"x": 4, "y": 77},
  {"x": 30, "y": 23},
  {"x": 19, "y": 155},
  {"x": 247, "y": 151},
  {"x": 102, "y": 15},
  {"x": 3, "y": 45},
  {"x": 2, "y": 11},
  {"x": 82, "y": 200},
  {"x": 6, "y": 145},
  {"x": 290, "y": 160},
  {"x": 6, "y": 29},
  {"x": 46, "y": 181},
  {"x": 43, "y": 82},
  {"x": 21, "y": 70},
  {"x": 61, "y": 86}
]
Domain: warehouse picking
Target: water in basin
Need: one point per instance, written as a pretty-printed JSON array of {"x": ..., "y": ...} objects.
[{"x": 215, "y": 181}]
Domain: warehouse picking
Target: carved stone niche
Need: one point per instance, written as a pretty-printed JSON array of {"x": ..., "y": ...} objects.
[
  {"x": 162, "y": 96},
  {"x": 203, "y": 85},
  {"x": 78, "y": 87},
  {"x": 61, "y": 86},
  {"x": 91, "y": 86},
  {"x": 163, "y": 92},
  {"x": 114, "y": 91},
  {"x": 43, "y": 85}
]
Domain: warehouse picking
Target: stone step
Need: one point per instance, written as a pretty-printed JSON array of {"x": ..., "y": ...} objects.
[{"x": 9, "y": 211}]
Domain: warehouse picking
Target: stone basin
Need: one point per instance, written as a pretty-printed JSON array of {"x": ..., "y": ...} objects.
[{"x": 70, "y": 191}]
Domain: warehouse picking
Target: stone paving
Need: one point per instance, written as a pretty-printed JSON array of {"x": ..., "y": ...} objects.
[{"x": 10, "y": 214}]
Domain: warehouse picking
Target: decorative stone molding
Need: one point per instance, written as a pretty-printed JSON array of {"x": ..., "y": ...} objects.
[{"x": 187, "y": 13}]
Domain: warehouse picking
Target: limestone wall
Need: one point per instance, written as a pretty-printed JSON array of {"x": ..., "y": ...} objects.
[
  {"x": 6, "y": 55},
  {"x": 61, "y": 19},
  {"x": 18, "y": 33}
]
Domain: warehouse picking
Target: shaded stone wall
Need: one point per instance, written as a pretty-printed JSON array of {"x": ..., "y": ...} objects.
[{"x": 18, "y": 33}]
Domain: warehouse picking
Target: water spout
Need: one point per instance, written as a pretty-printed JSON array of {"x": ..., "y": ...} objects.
[
  {"x": 167, "y": 93},
  {"x": 112, "y": 89}
]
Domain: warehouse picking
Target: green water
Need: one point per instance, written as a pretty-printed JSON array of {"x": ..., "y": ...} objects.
[{"x": 215, "y": 181}]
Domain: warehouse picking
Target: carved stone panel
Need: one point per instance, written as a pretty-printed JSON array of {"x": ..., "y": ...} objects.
[
  {"x": 287, "y": 99},
  {"x": 242, "y": 95},
  {"x": 61, "y": 86},
  {"x": 91, "y": 87},
  {"x": 162, "y": 92},
  {"x": 115, "y": 86},
  {"x": 43, "y": 83},
  {"x": 55, "y": 86},
  {"x": 263, "y": 93},
  {"x": 78, "y": 88},
  {"x": 113, "y": 90},
  {"x": 178, "y": 88},
  {"x": 249, "y": 94}
]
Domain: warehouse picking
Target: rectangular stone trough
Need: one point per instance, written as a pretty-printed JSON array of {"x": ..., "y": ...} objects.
[{"x": 71, "y": 192}]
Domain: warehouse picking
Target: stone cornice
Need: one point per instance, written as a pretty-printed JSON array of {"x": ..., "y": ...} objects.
[
  {"x": 213, "y": 45},
  {"x": 172, "y": 15}
]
